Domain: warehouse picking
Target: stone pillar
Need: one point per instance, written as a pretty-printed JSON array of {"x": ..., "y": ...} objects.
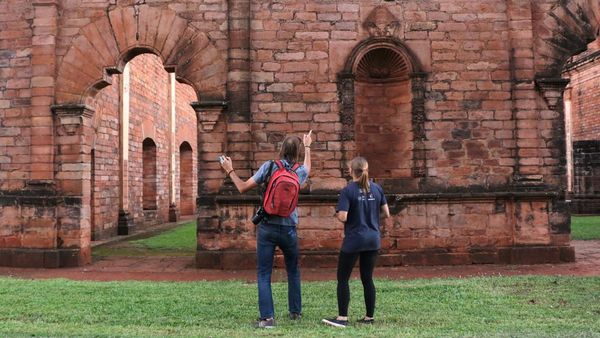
[
  {"x": 569, "y": 138},
  {"x": 525, "y": 115},
  {"x": 43, "y": 59},
  {"x": 239, "y": 136},
  {"x": 173, "y": 210},
  {"x": 73, "y": 138},
  {"x": 238, "y": 78},
  {"x": 211, "y": 140},
  {"x": 125, "y": 224}
]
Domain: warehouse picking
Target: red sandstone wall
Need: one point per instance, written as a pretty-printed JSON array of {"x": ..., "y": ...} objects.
[
  {"x": 585, "y": 100},
  {"x": 384, "y": 128},
  {"x": 105, "y": 182},
  {"x": 485, "y": 117},
  {"x": 149, "y": 111},
  {"x": 16, "y": 72},
  {"x": 187, "y": 130},
  {"x": 298, "y": 50}
]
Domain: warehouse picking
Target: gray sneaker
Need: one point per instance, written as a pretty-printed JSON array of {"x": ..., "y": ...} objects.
[{"x": 267, "y": 323}]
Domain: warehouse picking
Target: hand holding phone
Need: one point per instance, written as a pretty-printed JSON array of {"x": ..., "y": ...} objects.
[{"x": 225, "y": 163}]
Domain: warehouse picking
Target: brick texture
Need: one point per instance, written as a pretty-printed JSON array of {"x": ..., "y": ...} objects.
[
  {"x": 149, "y": 120},
  {"x": 581, "y": 101},
  {"x": 472, "y": 123}
]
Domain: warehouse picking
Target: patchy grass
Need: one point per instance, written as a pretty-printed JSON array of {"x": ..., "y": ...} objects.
[
  {"x": 585, "y": 227},
  {"x": 179, "y": 241},
  {"x": 181, "y": 238},
  {"x": 490, "y": 306}
]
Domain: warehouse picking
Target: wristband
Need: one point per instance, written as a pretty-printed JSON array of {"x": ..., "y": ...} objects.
[
  {"x": 230, "y": 171},
  {"x": 307, "y": 147}
]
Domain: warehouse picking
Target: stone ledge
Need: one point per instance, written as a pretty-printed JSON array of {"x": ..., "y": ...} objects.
[
  {"x": 209, "y": 200},
  {"x": 231, "y": 260},
  {"x": 43, "y": 258},
  {"x": 47, "y": 198}
]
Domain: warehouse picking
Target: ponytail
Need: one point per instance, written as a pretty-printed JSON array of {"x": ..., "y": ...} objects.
[
  {"x": 360, "y": 169},
  {"x": 363, "y": 182}
]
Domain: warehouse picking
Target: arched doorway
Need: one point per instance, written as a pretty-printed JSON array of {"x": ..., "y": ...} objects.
[
  {"x": 581, "y": 99},
  {"x": 186, "y": 180},
  {"x": 96, "y": 59},
  {"x": 149, "y": 175}
]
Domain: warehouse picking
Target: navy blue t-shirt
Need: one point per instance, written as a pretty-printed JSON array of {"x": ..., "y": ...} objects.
[{"x": 361, "y": 230}]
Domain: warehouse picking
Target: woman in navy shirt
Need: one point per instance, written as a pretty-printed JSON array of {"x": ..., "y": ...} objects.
[{"x": 360, "y": 206}]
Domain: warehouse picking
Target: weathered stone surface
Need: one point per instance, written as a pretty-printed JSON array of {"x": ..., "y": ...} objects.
[{"x": 440, "y": 96}]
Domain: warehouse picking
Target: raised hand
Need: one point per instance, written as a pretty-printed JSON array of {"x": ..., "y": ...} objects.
[{"x": 307, "y": 139}]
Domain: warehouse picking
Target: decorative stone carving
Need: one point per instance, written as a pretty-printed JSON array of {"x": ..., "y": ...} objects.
[
  {"x": 381, "y": 22},
  {"x": 346, "y": 96},
  {"x": 70, "y": 117},
  {"x": 552, "y": 90},
  {"x": 208, "y": 113}
]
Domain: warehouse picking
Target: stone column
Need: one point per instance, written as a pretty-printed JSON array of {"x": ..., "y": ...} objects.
[
  {"x": 43, "y": 59},
  {"x": 173, "y": 210},
  {"x": 73, "y": 138},
  {"x": 212, "y": 142},
  {"x": 569, "y": 138},
  {"x": 238, "y": 78},
  {"x": 125, "y": 224},
  {"x": 210, "y": 175},
  {"x": 239, "y": 133}
]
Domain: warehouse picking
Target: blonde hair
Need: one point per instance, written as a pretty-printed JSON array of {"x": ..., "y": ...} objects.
[{"x": 360, "y": 169}]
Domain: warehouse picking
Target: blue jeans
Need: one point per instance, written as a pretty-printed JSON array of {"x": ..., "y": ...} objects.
[{"x": 269, "y": 236}]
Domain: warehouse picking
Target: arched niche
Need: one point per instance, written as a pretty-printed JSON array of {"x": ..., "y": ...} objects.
[
  {"x": 149, "y": 174},
  {"x": 187, "y": 199},
  {"x": 382, "y": 112}
]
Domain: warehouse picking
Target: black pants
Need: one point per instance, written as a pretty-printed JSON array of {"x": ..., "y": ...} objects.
[{"x": 344, "y": 270}]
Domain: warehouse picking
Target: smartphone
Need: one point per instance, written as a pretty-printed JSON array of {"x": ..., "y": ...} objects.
[{"x": 221, "y": 159}]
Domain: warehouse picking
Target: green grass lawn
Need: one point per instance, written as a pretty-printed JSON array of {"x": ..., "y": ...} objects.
[
  {"x": 181, "y": 238},
  {"x": 490, "y": 306},
  {"x": 179, "y": 241},
  {"x": 585, "y": 227}
]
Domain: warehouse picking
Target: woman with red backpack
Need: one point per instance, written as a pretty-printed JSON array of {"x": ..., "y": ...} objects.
[{"x": 278, "y": 226}]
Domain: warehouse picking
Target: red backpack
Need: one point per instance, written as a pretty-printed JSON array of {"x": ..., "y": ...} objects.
[{"x": 281, "y": 196}]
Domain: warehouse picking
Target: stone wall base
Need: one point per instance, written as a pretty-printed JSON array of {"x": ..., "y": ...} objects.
[
  {"x": 231, "y": 260},
  {"x": 44, "y": 258}
]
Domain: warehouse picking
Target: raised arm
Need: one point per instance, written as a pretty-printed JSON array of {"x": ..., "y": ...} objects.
[
  {"x": 241, "y": 185},
  {"x": 307, "y": 141}
]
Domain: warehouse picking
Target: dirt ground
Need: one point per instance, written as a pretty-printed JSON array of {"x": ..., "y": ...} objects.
[{"x": 182, "y": 269}]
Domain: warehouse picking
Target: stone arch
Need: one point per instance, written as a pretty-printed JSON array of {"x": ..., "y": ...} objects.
[
  {"x": 564, "y": 30},
  {"x": 104, "y": 46},
  {"x": 387, "y": 65}
]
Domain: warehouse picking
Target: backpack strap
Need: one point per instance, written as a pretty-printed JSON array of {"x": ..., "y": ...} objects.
[
  {"x": 279, "y": 164},
  {"x": 295, "y": 167},
  {"x": 263, "y": 187}
]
